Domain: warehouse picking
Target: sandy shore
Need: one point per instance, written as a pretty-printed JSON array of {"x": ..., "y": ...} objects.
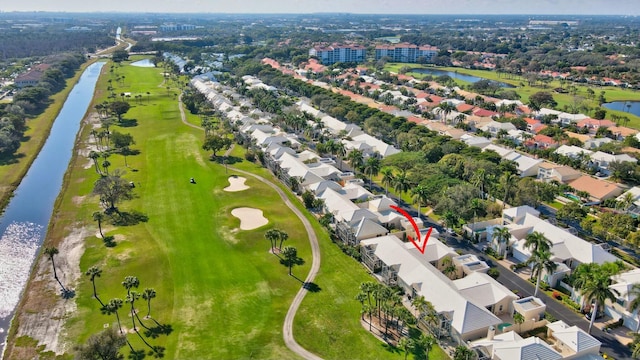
[{"x": 250, "y": 218}]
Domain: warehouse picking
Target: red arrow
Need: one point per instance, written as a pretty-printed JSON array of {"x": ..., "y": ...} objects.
[{"x": 415, "y": 228}]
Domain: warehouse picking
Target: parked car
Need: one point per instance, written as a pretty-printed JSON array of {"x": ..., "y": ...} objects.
[{"x": 588, "y": 315}]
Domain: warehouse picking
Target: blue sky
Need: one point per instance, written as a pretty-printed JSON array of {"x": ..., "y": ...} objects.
[{"x": 599, "y": 7}]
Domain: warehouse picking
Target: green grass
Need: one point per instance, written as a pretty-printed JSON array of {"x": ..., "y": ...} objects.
[{"x": 219, "y": 288}]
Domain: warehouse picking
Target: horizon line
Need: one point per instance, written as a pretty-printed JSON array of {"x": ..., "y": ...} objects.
[{"x": 302, "y": 13}]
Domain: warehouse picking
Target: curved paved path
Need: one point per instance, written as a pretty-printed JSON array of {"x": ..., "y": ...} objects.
[{"x": 287, "y": 328}]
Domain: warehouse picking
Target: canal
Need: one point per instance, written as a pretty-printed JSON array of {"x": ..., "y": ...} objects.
[{"x": 24, "y": 222}]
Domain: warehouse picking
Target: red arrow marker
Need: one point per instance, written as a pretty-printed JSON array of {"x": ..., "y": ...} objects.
[{"x": 422, "y": 247}]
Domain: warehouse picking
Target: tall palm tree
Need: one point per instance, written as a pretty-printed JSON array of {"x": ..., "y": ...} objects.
[
  {"x": 502, "y": 236},
  {"x": 518, "y": 319},
  {"x": 51, "y": 251},
  {"x": 402, "y": 183},
  {"x": 356, "y": 159},
  {"x": 479, "y": 179},
  {"x": 282, "y": 236},
  {"x": 94, "y": 156},
  {"x": 131, "y": 298},
  {"x": 446, "y": 108},
  {"x": 112, "y": 307},
  {"x": 597, "y": 289},
  {"x": 541, "y": 261},
  {"x": 99, "y": 217},
  {"x": 368, "y": 288},
  {"x": 405, "y": 345},
  {"x": 148, "y": 294},
  {"x": 94, "y": 272},
  {"x": 361, "y": 297},
  {"x": 420, "y": 196},
  {"x": 427, "y": 343},
  {"x": 130, "y": 282},
  {"x": 290, "y": 254},
  {"x": 536, "y": 242},
  {"x": 272, "y": 235},
  {"x": 372, "y": 166},
  {"x": 508, "y": 182},
  {"x": 388, "y": 178}
]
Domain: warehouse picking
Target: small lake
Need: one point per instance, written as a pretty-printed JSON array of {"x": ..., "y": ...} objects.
[
  {"x": 624, "y": 106},
  {"x": 24, "y": 222},
  {"x": 143, "y": 63},
  {"x": 455, "y": 75}
]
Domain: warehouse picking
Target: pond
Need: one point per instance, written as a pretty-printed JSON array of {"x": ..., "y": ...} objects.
[
  {"x": 143, "y": 63},
  {"x": 24, "y": 223},
  {"x": 632, "y": 107},
  {"x": 456, "y": 75}
]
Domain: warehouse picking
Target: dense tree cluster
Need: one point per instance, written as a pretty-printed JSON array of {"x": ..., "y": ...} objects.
[{"x": 51, "y": 40}]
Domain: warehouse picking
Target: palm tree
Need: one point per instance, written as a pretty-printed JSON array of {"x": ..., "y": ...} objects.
[
  {"x": 446, "y": 108},
  {"x": 541, "y": 261},
  {"x": 463, "y": 353},
  {"x": 368, "y": 288},
  {"x": 597, "y": 289},
  {"x": 361, "y": 297},
  {"x": 537, "y": 242},
  {"x": 130, "y": 282},
  {"x": 388, "y": 178},
  {"x": 449, "y": 267},
  {"x": 94, "y": 155},
  {"x": 112, "y": 307},
  {"x": 272, "y": 235},
  {"x": 402, "y": 183},
  {"x": 518, "y": 319},
  {"x": 372, "y": 166},
  {"x": 420, "y": 196},
  {"x": 479, "y": 179},
  {"x": 356, "y": 159},
  {"x": 94, "y": 272},
  {"x": 502, "y": 236},
  {"x": 405, "y": 345},
  {"x": 508, "y": 182},
  {"x": 99, "y": 217},
  {"x": 51, "y": 251},
  {"x": 282, "y": 236},
  {"x": 131, "y": 298},
  {"x": 290, "y": 254},
  {"x": 426, "y": 342},
  {"x": 635, "y": 345},
  {"x": 148, "y": 294},
  {"x": 450, "y": 219}
]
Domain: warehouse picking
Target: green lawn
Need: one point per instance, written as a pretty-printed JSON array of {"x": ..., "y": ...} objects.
[{"x": 222, "y": 292}]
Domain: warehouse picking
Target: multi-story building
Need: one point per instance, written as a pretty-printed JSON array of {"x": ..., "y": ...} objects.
[
  {"x": 339, "y": 53},
  {"x": 406, "y": 53}
]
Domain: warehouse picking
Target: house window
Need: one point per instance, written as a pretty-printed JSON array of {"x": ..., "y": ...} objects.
[{"x": 620, "y": 301}]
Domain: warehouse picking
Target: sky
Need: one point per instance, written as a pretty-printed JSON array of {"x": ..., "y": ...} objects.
[{"x": 559, "y": 7}]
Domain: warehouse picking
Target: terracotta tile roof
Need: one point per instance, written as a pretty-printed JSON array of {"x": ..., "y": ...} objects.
[
  {"x": 464, "y": 107},
  {"x": 598, "y": 189},
  {"x": 484, "y": 112},
  {"x": 623, "y": 131}
]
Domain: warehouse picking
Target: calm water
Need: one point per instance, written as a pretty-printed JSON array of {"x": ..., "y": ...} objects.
[
  {"x": 622, "y": 106},
  {"x": 143, "y": 63},
  {"x": 455, "y": 75},
  {"x": 22, "y": 226}
]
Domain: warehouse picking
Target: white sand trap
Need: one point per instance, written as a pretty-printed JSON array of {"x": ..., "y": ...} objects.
[
  {"x": 236, "y": 183},
  {"x": 250, "y": 218}
]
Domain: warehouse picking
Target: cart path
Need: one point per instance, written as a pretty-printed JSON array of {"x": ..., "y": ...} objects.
[{"x": 287, "y": 329}]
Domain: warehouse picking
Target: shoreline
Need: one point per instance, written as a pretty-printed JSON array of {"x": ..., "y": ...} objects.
[{"x": 40, "y": 266}]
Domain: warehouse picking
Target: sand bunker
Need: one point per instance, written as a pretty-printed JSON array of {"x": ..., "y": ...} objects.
[
  {"x": 250, "y": 218},
  {"x": 236, "y": 183}
]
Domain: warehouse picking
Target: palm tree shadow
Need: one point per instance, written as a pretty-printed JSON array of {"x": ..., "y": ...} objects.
[
  {"x": 68, "y": 293},
  {"x": 312, "y": 287},
  {"x": 158, "y": 330}
]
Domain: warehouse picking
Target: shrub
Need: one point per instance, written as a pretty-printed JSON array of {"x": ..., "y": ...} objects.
[
  {"x": 556, "y": 294},
  {"x": 494, "y": 273},
  {"x": 549, "y": 317},
  {"x": 572, "y": 304}
]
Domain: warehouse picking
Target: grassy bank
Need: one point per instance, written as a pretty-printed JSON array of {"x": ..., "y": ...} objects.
[{"x": 14, "y": 168}]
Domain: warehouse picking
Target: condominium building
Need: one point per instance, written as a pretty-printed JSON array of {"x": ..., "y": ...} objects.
[
  {"x": 406, "y": 53},
  {"x": 339, "y": 53}
]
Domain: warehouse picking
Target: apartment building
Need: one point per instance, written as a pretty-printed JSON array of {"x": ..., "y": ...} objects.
[
  {"x": 406, "y": 53},
  {"x": 331, "y": 54}
]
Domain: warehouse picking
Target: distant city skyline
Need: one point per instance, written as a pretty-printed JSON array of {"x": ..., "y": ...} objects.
[{"x": 462, "y": 7}]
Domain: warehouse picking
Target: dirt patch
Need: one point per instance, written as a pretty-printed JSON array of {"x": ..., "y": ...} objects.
[
  {"x": 250, "y": 218},
  {"x": 77, "y": 200},
  {"x": 45, "y": 310}
]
